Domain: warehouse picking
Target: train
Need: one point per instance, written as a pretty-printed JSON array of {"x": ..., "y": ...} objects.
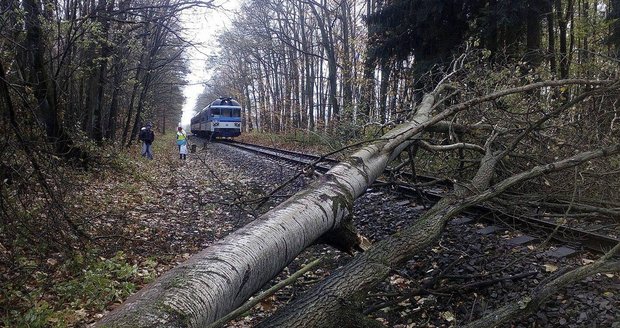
[{"x": 220, "y": 119}]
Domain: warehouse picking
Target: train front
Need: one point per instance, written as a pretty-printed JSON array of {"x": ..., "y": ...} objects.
[
  {"x": 225, "y": 117},
  {"x": 221, "y": 119}
]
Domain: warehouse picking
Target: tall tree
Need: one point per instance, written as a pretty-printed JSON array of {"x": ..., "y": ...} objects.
[
  {"x": 534, "y": 55},
  {"x": 614, "y": 18}
]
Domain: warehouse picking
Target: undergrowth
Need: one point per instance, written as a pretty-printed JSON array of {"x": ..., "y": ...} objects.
[
  {"x": 58, "y": 283},
  {"x": 61, "y": 294}
]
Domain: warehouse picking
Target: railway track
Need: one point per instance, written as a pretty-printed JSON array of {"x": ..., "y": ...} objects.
[
  {"x": 321, "y": 164},
  {"x": 536, "y": 228}
]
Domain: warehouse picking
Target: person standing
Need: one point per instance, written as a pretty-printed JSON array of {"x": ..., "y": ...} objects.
[
  {"x": 182, "y": 143},
  {"x": 147, "y": 136}
]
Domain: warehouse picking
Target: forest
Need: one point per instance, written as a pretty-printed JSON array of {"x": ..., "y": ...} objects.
[{"x": 494, "y": 96}]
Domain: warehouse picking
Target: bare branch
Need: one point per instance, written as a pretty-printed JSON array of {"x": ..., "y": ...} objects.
[{"x": 460, "y": 145}]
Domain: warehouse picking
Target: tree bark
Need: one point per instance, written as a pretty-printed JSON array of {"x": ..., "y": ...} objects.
[
  {"x": 533, "y": 55},
  {"x": 328, "y": 45},
  {"x": 347, "y": 79},
  {"x": 562, "y": 19},
  {"x": 386, "y": 71},
  {"x": 44, "y": 87},
  {"x": 370, "y": 62},
  {"x": 551, "y": 37},
  {"x": 98, "y": 52}
]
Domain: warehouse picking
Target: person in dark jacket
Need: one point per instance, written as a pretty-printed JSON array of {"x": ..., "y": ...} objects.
[{"x": 147, "y": 137}]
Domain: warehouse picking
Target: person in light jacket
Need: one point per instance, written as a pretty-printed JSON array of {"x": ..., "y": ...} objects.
[{"x": 182, "y": 143}]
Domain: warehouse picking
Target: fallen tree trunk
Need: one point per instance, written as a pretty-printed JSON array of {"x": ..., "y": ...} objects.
[{"x": 217, "y": 280}]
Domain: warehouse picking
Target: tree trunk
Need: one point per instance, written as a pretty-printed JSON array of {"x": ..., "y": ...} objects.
[
  {"x": 310, "y": 94},
  {"x": 490, "y": 39},
  {"x": 551, "y": 38},
  {"x": 614, "y": 19},
  {"x": 386, "y": 70},
  {"x": 563, "y": 26},
  {"x": 116, "y": 89},
  {"x": 347, "y": 67},
  {"x": 332, "y": 66},
  {"x": 262, "y": 97},
  {"x": 307, "y": 98},
  {"x": 146, "y": 82},
  {"x": 370, "y": 62},
  {"x": 130, "y": 107},
  {"x": 247, "y": 124},
  {"x": 533, "y": 55},
  {"x": 134, "y": 94},
  {"x": 98, "y": 52},
  {"x": 43, "y": 85},
  {"x": 152, "y": 48},
  {"x": 215, "y": 281}
]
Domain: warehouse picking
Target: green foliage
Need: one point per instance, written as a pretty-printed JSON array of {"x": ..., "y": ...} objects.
[
  {"x": 37, "y": 316},
  {"x": 149, "y": 265},
  {"x": 95, "y": 282},
  {"x": 104, "y": 281},
  {"x": 121, "y": 163}
]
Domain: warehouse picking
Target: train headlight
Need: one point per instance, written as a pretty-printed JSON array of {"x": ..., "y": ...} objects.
[{"x": 237, "y": 124}]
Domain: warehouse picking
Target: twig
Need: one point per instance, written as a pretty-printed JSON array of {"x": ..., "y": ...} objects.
[
  {"x": 484, "y": 283},
  {"x": 249, "y": 304},
  {"x": 446, "y": 290}
]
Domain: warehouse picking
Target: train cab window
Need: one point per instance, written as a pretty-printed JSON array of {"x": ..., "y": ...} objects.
[{"x": 226, "y": 112}]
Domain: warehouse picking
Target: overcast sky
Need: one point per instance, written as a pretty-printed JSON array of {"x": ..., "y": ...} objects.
[{"x": 202, "y": 27}]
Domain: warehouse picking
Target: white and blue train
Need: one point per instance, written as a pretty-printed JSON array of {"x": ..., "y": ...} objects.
[{"x": 221, "y": 119}]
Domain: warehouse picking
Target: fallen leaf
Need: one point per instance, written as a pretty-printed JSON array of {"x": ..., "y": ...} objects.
[
  {"x": 81, "y": 313},
  {"x": 550, "y": 268},
  {"x": 382, "y": 320},
  {"x": 267, "y": 303},
  {"x": 448, "y": 316}
]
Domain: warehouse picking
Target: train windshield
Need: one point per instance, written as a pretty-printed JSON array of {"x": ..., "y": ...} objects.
[{"x": 226, "y": 112}]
